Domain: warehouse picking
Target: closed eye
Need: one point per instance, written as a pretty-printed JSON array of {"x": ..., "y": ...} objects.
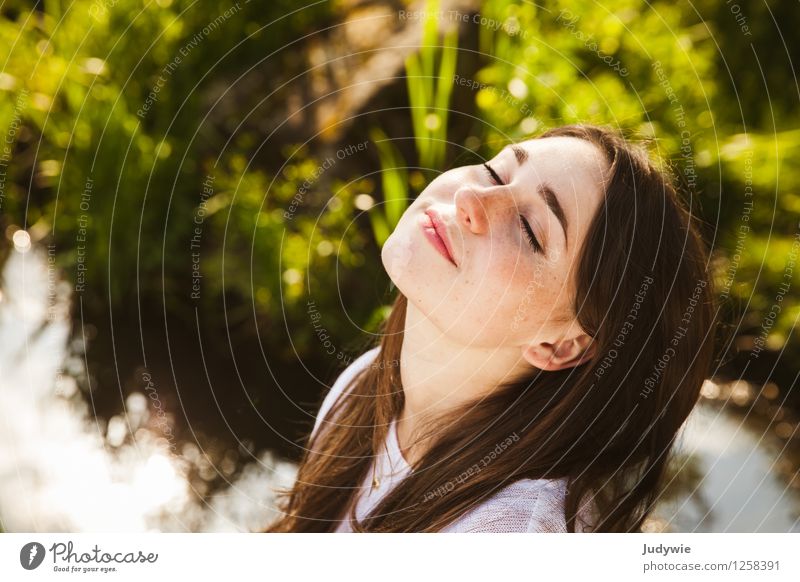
[
  {"x": 493, "y": 175},
  {"x": 532, "y": 240},
  {"x": 526, "y": 227}
]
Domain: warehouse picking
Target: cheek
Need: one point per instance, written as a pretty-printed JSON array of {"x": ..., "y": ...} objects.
[
  {"x": 542, "y": 298},
  {"x": 508, "y": 269},
  {"x": 495, "y": 289},
  {"x": 518, "y": 281},
  {"x": 522, "y": 292}
]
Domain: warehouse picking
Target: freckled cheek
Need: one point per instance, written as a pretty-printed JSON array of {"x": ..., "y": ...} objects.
[
  {"x": 504, "y": 283},
  {"x": 536, "y": 292}
]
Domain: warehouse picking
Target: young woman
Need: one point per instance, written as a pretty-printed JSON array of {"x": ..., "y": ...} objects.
[{"x": 553, "y": 326}]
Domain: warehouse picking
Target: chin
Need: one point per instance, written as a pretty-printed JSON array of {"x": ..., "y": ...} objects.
[
  {"x": 409, "y": 268},
  {"x": 397, "y": 256}
]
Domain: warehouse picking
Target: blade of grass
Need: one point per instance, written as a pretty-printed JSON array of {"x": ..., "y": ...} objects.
[
  {"x": 430, "y": 35},
  {"x": 444, "y": 88},
  {"x": 394, "y": 178},
  {"x": 416, "y": 98},
  {"x": 380, "y": 229}
]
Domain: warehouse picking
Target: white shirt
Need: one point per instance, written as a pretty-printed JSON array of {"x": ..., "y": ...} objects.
[{"x": 526, "y": 505}]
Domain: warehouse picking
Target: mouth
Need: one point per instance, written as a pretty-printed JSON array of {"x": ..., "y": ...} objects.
[{"x": 436, "y": 233}]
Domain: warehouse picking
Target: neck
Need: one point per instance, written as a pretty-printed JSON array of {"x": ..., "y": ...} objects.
[{"x": 440, "y": 374}]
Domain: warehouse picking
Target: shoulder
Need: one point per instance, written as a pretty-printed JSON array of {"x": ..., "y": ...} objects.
[
  {"x": 343, "y": 382},
  {"x": 526, "y": 505}
]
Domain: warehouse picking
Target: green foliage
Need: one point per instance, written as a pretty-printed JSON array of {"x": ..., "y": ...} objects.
[
  {"x": 282, "y": 241},
  {"x": 429, "y": 90},
  {"x": 394, "y": 181},
  {"x": 113, "y": 125}
]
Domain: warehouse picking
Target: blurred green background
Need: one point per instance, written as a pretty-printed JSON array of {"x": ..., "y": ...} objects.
[{"x": 215, "y": 180}]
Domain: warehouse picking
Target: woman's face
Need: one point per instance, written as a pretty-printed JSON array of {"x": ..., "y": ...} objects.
[{"x": 498, "y": 288}]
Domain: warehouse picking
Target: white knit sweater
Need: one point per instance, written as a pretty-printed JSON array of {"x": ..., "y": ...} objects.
[{"x": 526, "y": 505}]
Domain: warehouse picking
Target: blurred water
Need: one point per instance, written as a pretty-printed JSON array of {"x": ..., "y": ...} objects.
[
  {"x": 734, "y": 486},
  {"x": 64, "y": 469}
]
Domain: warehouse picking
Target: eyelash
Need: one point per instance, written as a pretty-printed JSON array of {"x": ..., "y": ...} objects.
[{"x": 532, "y": 240}]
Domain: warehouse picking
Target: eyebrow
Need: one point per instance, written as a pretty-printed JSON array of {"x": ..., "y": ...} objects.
[{"x": 546, "y": 192}]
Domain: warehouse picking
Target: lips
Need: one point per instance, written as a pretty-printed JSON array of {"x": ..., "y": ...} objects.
[{"x": 436, "y": 232}]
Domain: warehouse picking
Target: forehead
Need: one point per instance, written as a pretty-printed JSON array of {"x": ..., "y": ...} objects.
[
  {"x": 573, "y": 160},
  {"x": 575, "y": 169}
]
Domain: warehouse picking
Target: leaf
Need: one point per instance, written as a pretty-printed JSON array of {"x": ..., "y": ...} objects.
[
  {"x": 416, "y": 98},
  {"x": 444, "y": 88},
  {"x": 394, "y": 178}
]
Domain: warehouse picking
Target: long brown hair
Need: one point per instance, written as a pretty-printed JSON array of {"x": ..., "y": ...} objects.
[{"x": 608, "y": 425}]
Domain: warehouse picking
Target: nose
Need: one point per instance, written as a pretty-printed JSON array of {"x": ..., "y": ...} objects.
[{"x": 475, "y": 205}]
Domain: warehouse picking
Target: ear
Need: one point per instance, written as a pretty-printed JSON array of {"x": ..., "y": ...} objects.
[{"x": 563, "y": 354}]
